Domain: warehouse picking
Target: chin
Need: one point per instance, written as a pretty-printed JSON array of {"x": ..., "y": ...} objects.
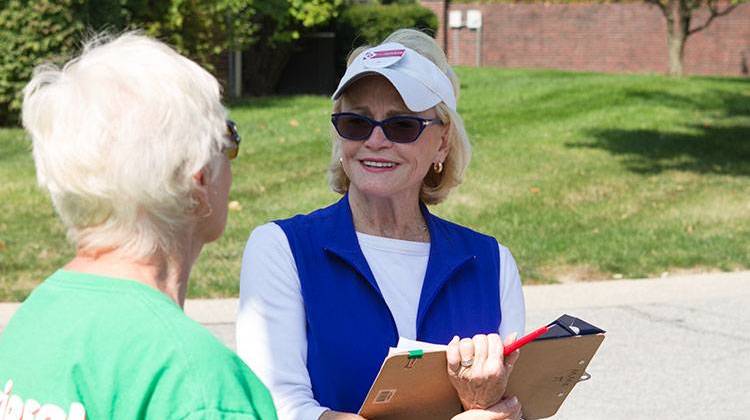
[
  {"x": 213, "y": 233},
  {"x": 214, "y": 237},
  {"x": 376, "y": 191}
]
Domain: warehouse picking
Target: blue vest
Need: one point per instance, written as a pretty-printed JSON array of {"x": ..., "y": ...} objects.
[{"x": 349, "y": 326}]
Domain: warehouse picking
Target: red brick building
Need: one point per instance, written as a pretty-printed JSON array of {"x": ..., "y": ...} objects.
[{"x": 625, "y": 37}]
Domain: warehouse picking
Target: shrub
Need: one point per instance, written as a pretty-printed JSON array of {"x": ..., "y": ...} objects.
[
  {"x": 35, "y": 31},
  {"x": 31, "y": 32}
]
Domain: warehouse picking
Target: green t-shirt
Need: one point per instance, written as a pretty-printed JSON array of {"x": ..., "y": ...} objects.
[{"x": 119, "y": 349}]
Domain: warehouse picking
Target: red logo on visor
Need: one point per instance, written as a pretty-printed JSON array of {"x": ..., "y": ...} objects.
[{"x": 384, "y": 54}]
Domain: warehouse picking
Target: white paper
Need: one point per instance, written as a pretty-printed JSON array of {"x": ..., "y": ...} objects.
[{"x": 404, "y": 345}]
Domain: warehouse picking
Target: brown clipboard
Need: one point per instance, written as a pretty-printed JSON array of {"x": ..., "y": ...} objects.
[{"x": 415, "y": 385}]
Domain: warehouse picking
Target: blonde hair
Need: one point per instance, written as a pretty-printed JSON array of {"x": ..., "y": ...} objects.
[
  {"x": 435, "y": 186},
  {"x": 117, "y": 135}
]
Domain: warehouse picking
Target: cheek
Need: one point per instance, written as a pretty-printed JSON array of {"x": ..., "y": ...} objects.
[
  {"x": 349, "y": 148},
  {"x": 427, "y": 151}
]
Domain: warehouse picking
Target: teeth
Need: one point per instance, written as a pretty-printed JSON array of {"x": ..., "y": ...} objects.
[{"x": 379, "y": 164}]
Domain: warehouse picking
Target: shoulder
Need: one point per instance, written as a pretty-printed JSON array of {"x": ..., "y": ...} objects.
[
  {"x": 266, "y": 235},
  {"x": 187, "y": 343},
  {"x": 219, "y": 382},
  {"x": 505, "y": 254},
  {"x": 267, "y": 255},
  {"x": 224, "y": 378},
  {"x": 509, "y": 275}
]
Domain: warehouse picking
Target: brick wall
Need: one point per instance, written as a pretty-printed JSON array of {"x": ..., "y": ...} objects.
[{"x": 627, "y": 37}]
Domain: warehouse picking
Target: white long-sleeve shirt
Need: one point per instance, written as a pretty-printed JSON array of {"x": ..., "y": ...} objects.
[{"x": 271, "y": 336}]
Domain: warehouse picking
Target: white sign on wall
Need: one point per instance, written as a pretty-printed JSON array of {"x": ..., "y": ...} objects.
[
  {"x": 474, "y": 19},
  {"x": 455, "y": 19}
]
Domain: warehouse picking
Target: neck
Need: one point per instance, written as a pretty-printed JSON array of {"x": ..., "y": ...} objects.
[
  {"x": 167, "y": 273},
  {"x": 391, "y": 217}
]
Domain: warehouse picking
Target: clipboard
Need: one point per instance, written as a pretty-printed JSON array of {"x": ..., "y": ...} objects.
[{"x": 414, "y": 385}]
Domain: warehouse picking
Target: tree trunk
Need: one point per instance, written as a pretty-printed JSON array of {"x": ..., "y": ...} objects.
[
  {"x": 678, "y": 25},
  {"x": 676, "y": 43}
]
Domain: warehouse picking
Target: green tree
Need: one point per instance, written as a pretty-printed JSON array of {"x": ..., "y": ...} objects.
[
  {"x": 200, "y": 29},
  {"x": 34, "y": 31}
]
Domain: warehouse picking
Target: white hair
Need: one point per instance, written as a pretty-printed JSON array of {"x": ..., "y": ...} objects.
[
  {"x": 117, "y": 134},
  {"x": 435, "y": 186}
]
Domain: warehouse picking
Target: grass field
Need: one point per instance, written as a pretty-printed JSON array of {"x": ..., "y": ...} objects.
[{"x": 582, "y": 176}]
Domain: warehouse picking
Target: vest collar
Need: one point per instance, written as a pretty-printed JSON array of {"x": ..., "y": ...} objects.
[
  {"x": 341, "y": 241},
  {"x": 447, "y": 254}
]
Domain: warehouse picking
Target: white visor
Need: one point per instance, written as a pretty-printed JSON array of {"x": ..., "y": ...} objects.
[{"x": 418, "y": 80}]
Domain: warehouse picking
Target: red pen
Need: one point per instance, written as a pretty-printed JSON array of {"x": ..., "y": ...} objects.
[{"x": 526, "y": 339}]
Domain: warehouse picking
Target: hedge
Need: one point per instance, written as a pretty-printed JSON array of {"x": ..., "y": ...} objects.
[
  {"x": 35, "y": 31},
  {"x": 29, "y": 33}
]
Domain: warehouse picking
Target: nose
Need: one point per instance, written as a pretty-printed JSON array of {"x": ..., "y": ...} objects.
[{"x": 377, "y": 139}]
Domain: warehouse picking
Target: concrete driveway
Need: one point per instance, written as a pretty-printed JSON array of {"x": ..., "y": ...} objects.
[{"x": 675, "y": 348}]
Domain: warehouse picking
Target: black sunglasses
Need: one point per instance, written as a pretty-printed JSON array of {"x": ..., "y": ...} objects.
[
  {"x": 234, "y": 136},
  {"x": 398, "y": 129}
]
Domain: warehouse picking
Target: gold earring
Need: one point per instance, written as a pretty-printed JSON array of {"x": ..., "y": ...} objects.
[{"x": 437, "y": 167}]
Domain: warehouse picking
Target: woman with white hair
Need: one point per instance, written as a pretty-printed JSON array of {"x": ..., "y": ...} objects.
[
  {"x": 131, "y": 141},
  {"x": 323, "y": 296}
]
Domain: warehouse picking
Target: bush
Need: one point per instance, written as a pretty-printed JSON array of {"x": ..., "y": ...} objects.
[
  {"x": 35, "y": 31},
  {"x": 31, "y": 32},
  {"x": 371, "y": 23}
]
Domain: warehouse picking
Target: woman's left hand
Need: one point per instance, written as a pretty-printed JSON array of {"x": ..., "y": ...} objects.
[
  {"x": 507, "y": 409},
  {"x": 477, "y": 369}
]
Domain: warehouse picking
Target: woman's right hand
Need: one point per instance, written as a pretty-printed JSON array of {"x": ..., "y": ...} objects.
[
  {"x": 478, "y": 371},
  {"x": 507, "y": 409}
]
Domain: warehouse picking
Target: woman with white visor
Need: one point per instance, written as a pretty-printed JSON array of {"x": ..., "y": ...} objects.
[{"x": 324, "y": 295}]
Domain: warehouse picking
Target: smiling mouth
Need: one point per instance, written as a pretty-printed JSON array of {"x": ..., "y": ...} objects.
[{"x": 374, "y": 164}]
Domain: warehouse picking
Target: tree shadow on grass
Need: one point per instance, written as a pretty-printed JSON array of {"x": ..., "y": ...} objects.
[
  {"x": 723, "y": 150},
  {"x": 720, "y": 145},
  {"x": 727, "y": 102}
]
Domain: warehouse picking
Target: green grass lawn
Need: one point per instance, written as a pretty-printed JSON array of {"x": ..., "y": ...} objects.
[{"x": 581, "y": 175}]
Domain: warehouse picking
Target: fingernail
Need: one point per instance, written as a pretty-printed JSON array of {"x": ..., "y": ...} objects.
[
  {"x": 455, "y": 338},
  {"x": 514, "y": 401}
]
